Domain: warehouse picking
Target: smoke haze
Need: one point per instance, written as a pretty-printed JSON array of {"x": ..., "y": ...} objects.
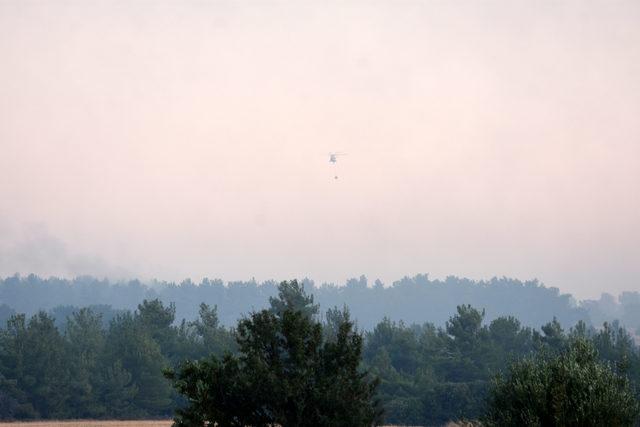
[{"x": 190, "y": 139}]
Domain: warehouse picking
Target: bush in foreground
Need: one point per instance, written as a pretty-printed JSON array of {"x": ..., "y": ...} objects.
[{"x": 571, "y": 389}]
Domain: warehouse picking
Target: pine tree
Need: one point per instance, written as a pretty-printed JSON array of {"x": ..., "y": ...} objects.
[{"x": 285, "y": 374}]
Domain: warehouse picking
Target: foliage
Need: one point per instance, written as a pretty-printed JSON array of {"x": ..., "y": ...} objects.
[
  {"x": 292, "y": 297},
  {"x": 573, "y": 388},
  {"x": 285, "y": 373},
  {"x": 90, "y": 370},
  {"x": 433, "y": 375},
  {"x": 99, "y": 362},
  {"x": 415, "y": 299}
]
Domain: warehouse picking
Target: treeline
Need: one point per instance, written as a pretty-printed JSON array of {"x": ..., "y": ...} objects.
[
  {"x": 88, "y": 371},
  {"x": 412, "y": 300},
  {"x": 429, "y": 374}
]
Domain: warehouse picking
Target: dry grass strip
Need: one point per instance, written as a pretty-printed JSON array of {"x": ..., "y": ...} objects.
[
  {"x": 96, "y": 423},
  {"x": 90, "y": 423}
]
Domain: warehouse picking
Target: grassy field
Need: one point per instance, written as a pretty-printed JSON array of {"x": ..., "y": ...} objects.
[
  {"x": 142, "y": 423},
  {"x": 94, "y": 423},
  {"x": 90, "y": 423}
]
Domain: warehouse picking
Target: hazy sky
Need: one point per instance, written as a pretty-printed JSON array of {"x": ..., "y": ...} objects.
[{"x": 191, "y": 138}]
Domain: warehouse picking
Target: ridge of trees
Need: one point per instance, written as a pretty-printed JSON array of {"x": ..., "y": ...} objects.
[{"x": 412, "y": 300}]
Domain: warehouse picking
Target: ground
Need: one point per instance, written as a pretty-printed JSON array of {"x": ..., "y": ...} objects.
[{"x": 90, "y": 423}]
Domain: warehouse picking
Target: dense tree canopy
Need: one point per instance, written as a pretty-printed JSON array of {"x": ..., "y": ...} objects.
[
  {"x": 285, "y": 373},
  {"x": 573, "y": 388},
  {"x": 416, "y": 299},
  {"x": 89, "y": 370},
  {"x": 98, "y": 362}
]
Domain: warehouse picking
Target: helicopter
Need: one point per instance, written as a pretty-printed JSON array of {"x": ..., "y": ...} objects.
[{"x": 333, "y": 158}]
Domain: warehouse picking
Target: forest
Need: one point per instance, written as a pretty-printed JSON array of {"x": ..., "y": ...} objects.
[
  {"x": 417, "y": 299},
  {"x": 98, "y": 362}
]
